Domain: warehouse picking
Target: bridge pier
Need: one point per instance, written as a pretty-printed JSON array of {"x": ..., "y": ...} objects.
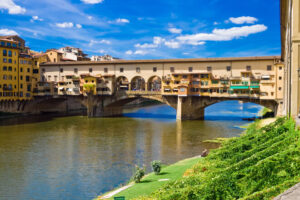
[{"x": 187, "y": 110}]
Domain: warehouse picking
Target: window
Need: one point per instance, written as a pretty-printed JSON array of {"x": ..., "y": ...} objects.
[
  {"x": 28, "y": 70},
  {"x": 4, "y": 77},
  {"x": 269, "y": 68},
  {"x": 248, "y": 68},
  {"x": 10, "y": 77},
  {"x": 10, "y": 69},
  {"x": 35, "y": 62},
  {"x": 279, "y": 88},
  {"x": 9, "y": 53},
  {"x": 90, "y": 70},
  {"x": 280, "y": 68},
  {"x": 280, "y": 78},
  {"x": 138, "y": 70},
  {"x": 8, "y": 44},
  {"x": 28, "y": 88},
  {"x": 75, "y": 70},
  {"x": 209, "y": 68},
  {"x": 43, "y": 70},
  {"x": 21, "y": 78},
  {"x": 105, "y": 70},
  {"x": 5, "y": 60},
  {"x": 9, "y": 60},
  {"x": 4, "y": 52},
  {"x": 172, "y": 69},
  {"x": 27, "y": 78},
  {"x": 190, "y": 69},
  {"x": 228, "y": 68},
  {"x": 61, "y": 70},
  {"x": 154, "y": 69},
  {"x": 4, "y": 68},
  {"x": 196, "y": 76},
  {"x": 184, "y": 76},
  {"x": 121, "y": 70}
]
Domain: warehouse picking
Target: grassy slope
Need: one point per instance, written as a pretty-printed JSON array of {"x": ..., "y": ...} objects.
[
  {"x": 151, "y": 183},
  {"x": 260, "y": 164}
]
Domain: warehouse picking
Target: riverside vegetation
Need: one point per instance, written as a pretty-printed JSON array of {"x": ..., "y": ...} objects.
[{"x": 260, "y": 164}]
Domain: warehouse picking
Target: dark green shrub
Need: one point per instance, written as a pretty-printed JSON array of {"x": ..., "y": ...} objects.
[
  {"x": 139, "y": 173},
  {"x": 156, "y": 166}
]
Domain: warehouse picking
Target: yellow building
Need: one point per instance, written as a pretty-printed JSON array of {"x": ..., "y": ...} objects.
[
  {"x": 9, "y": 54},
  {"x": 25, "y": 77}
]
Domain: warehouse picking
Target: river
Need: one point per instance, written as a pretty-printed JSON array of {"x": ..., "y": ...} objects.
[{"x": 78, "y": 158}]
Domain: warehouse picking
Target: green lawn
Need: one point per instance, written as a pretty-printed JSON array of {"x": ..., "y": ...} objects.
[{"x": 150, "y": 183}]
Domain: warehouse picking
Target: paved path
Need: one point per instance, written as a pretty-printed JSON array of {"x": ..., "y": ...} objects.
[
  {"x": 113, "y": 193},
  {"x": 291, "y": 194}
]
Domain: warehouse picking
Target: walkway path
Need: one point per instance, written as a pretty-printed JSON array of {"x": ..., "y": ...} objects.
[
  {"x": 111, "y": 194},
  {"x": 291, "y": 194}
]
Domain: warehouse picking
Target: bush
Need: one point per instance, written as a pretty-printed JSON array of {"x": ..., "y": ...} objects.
[
  {"x": 156, "y": 166},
  {"x": 139, "y": 173}
]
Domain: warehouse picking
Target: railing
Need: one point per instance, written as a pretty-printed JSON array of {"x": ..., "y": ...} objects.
[{"x": 130, "y": 92}]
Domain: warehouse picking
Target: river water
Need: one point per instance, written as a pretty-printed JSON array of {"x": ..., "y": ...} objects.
[{"x": 79, "y": 158}]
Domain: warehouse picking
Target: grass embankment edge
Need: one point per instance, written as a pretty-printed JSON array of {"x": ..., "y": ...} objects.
[{"x": 151, "y": 183}]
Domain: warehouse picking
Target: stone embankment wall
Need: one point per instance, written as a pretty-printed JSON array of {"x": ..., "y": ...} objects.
[{"x": 64, "y": 105}]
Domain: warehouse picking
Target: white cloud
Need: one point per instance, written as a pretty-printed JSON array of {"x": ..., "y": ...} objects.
[
  {"x": 65, "y": 25},
  {"x": 36, "y": 18},
  {"x": 222, "y": 34},
  {"x": 216, "y": 23},
  {"x": 68, "y": 25},
  {"x": 102, "y": 51},
  {"x": 243, "y": 20},
  {"x": 175, "y": 30},
  {"x": 90, "y": 17},
  {"x": 119, "y": 20},
  {"x": 11, "y": 7},
  {"x": 156, "y": 42},
  {"x": 7, "y": 32},
  {"x": 172, "y": 44},
  {"x": 92, "y": 1},
  {"x": 137, "y": 52},
  {"x": 93, "y": 42}
]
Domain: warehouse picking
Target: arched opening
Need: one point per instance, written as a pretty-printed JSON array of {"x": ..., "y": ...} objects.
[
  {"x": 138, "y": 84},
  {"x": 154, "y": 84},
  {"x": 237, "y": 110},
  {"x": 122, "y": 83}
]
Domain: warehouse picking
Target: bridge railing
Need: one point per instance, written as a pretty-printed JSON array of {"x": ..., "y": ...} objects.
[{"x": 143, "y": 93}]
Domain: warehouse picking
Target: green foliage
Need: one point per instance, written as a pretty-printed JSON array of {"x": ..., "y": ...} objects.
[
  {"x": 156, "y": 166},
  {"x": 139, "y": 173},
  {"x": 260, "y": 164}
]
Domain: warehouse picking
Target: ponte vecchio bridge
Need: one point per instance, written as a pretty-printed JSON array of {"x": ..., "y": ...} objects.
[{"x": 188, "y": 85}]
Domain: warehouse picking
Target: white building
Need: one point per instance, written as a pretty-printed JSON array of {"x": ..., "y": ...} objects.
[
  {"x": 103, "y": 58},
  {"x": 73, "y": 54}
]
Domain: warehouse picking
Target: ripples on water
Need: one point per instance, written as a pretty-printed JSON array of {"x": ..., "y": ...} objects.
[{"x": 79, "y": 158}]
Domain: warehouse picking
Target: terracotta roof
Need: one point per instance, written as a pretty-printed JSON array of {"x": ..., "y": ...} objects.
[{"x": 189, "y": 60}]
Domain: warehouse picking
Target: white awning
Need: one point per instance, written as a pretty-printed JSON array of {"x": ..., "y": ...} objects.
[
  {"x": 265, "y": 76},
  {"x": 69, "y": 89},
  {"x": 61, "y": 88}
]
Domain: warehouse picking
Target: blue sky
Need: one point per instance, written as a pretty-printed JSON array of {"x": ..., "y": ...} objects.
[{"x": 147, "y": 29}]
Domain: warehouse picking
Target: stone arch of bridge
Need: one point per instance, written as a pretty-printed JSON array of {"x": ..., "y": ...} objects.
[
  {"x": 122, "y": 83},
  {"x": 154, "y": 83},
  {"x": 138, "y": 83},
  {"x": 194, "y": 107}
]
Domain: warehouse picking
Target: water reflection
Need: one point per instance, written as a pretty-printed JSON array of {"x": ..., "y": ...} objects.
[{"x": 78, "y": 158}]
